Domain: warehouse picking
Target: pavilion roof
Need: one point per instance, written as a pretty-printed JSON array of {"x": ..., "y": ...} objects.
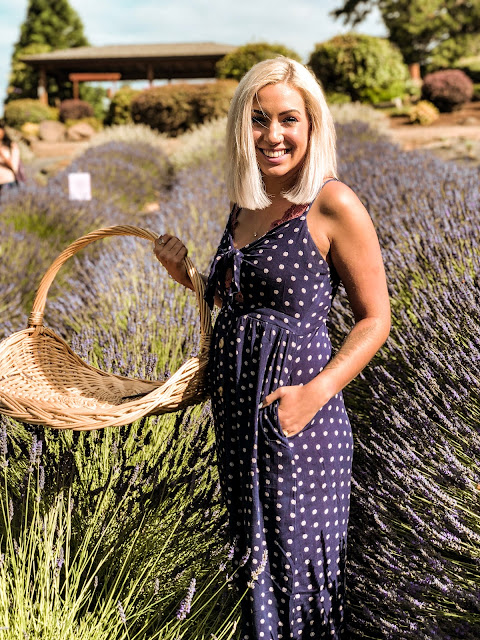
[{"x": 175, "y": 60}]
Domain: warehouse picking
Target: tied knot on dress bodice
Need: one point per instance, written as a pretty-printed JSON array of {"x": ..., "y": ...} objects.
[{"x": 224, "y": 277}]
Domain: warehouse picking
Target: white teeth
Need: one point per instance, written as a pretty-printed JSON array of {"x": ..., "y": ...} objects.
[{"x": 274, "y": 154}]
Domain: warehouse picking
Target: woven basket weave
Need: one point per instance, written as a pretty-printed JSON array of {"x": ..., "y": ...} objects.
[{"x": 42, "y": 381}]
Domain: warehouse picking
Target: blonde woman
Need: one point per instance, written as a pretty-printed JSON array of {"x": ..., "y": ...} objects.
[{"x": 283, "y": 436}]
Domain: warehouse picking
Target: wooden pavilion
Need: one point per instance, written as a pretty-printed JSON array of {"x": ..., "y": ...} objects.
[{"x": 127, "y": 62}]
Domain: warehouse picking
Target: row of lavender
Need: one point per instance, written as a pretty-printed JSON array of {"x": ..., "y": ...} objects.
[
  {"x": 120, "y": 312},
  {"x": 413, "y": 546},
  {"x": 415, "y": 527}
]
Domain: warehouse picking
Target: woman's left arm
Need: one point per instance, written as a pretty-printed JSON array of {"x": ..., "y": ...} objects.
[{"x": 339, "y": 219}]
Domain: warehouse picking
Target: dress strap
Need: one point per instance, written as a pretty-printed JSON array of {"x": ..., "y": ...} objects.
[{"x": 327, "y": 181}]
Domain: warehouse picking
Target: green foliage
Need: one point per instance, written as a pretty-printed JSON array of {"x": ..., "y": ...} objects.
[
  {"x": 18, "y": 112},
  {"x": 416, "y": 25},
  {"x": 23, "y": 81},
  {"x": 366, "y": 68},
  {"x": 119, "y": 109},
  {"x": 447, "y": 89},
  {"x": 236, "y": 64},
  {"x": 96, "y": 96},
  {"x": 453, "y": 52},
  {"x": 92, "y": 121},
  {"x": 176, "y": 108},
  {"x": 334, "y": 97},
  {"x": 75, "y": 110},
  {"x": 423, "y": 113},
  {"x": 470, "y": 66},
  {"x": 48, "y": 25}
]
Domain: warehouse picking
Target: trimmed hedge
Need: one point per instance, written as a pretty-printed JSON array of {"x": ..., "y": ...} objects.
[
  {"x": 447, "y": 90},
  {"x": 236, "y": 64},
  {"x": 18, "y": 112},
  {"x": 423, "y": 113},
  {"x": 119, "y": 110},
  {"x": 75, "y": 110},
  {"x": 175, "y": 108},
  {"x": 366, "y": 68}
]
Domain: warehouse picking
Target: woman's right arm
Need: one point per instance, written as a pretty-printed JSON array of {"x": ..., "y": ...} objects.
[{"x": 170, "y": 252}]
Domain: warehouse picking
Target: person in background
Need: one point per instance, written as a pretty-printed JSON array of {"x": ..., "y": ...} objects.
[
  {"x": 9, "y": 160},
  {"x": 284, "y": 441}
]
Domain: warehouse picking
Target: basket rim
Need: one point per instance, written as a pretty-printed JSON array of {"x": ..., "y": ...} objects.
[{"x": 152, "y": 402}]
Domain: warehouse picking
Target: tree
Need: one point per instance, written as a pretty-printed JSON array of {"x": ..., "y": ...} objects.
[
  {"x": 416, "y": 26},
  {"x": 48, "y": 25},
  {"x": 236, "y": 64}
]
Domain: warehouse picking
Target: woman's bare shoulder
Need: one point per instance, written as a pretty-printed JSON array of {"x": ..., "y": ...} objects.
[{"x": 337, "y": 205}]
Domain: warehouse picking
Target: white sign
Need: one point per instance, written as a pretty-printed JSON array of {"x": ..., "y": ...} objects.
[{"x": 79, "y": 186}]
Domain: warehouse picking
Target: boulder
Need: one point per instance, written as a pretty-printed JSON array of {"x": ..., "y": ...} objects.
[
  {"x": 30, "y": 131},
  {"x": 51, "y": 131},
  {"x": 80, "y": 131}
]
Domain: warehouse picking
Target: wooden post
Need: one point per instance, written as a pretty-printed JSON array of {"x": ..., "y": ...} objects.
[
  {"x": 150, "y": 75},
  {"x": 42, "y": 86},
  {"x": 76, "y": 78},
  {"x": 414, "y": 69}
]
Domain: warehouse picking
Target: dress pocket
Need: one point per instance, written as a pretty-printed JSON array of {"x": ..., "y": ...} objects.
[{"x": 268, "y": 420}]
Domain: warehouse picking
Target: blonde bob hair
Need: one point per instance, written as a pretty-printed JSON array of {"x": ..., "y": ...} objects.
[{"x": 244, "y": 180}]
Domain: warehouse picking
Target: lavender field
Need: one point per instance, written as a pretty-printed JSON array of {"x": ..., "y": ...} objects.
[{"x": 121, "y": 533}]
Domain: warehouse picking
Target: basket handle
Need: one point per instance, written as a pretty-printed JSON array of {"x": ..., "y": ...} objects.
[{"x": 36, "y": 316}]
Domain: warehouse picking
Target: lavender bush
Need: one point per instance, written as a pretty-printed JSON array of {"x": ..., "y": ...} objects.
[
  {"x": 414, "y": 566},
  {"x": 124, "y": 174},
  {"x": 414, "y": 555}
]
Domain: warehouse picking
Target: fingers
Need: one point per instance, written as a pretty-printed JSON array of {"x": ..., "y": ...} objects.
[
  {"x": 275, "y": 395},
  {"x": 170, "y": 252},
  {"x": 169, "y": 248}
]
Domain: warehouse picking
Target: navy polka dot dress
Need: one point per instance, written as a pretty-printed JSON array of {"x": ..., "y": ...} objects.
[{"x": 287, "y": 497}]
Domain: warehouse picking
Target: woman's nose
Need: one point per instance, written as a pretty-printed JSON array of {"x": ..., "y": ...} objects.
[{"x": 274, "y": 132}]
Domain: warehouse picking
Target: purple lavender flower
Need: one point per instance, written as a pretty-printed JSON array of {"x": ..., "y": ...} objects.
[{"x": 186, "y": 603}]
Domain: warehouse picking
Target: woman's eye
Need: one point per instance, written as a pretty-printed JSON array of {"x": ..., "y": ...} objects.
[
  {"x": 258, "y": 120},
  {"x": 290, "y": 120}
]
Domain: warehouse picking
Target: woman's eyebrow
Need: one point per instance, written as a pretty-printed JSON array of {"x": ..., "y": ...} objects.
[{"x": 283, "y": 113}]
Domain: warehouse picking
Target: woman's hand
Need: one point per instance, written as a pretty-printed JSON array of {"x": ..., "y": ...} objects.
[
  {"x": 170, "y": 252},
  {"x": 298, "y": 405}
]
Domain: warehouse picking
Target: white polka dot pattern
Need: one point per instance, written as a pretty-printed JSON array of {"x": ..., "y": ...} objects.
[{"x": 287, "y": 498}]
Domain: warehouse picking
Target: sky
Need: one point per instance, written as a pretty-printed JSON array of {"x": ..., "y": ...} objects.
[{"x": 298, "y": 24}]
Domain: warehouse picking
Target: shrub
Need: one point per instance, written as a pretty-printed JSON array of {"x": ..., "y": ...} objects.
[
  {"x": 131, "y": 133},
  {"x": 337, "y": 98},
  {"x": 447, "y": 90},
  {"x": 176, "y": 108},
  {"x": 366, "y": 68},
  {"x": 75, "y": 110},
  {"x": 212, "y": 100},
  {"x": 119, "y": 109},
  {"x": 423, "y": 113},
  {"x": 124, "y": 175},
  {"x": 236, "y": 64},
  {"x": 92, "y": 121},
  {"x": 18, "y": 112}
]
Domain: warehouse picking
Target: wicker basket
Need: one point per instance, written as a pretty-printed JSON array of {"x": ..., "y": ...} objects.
[{"x": 42, "y": 381}]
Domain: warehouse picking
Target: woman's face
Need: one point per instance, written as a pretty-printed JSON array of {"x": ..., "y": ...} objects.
[{"x": 281, "y": 130}]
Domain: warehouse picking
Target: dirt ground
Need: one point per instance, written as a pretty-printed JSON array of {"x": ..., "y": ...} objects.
[{"x": 454, "y": 136}]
